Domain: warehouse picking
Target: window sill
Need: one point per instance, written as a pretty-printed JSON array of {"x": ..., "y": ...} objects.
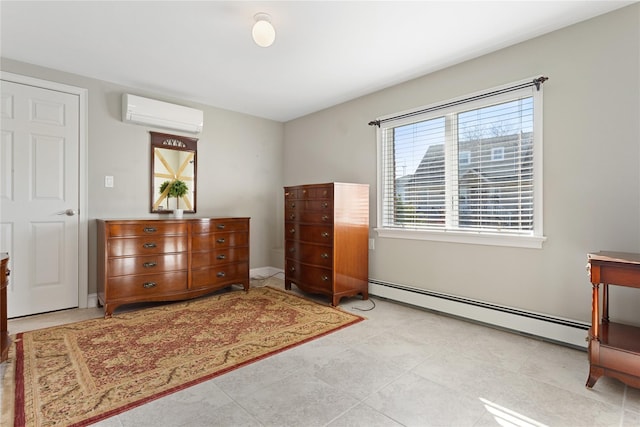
[{"x": 515, "y": 241}]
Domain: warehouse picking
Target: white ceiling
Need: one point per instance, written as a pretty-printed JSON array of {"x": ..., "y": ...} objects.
[{"x": 325, "y": 53}]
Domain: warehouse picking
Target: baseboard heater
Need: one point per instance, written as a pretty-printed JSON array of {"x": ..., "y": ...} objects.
[{"x": 555, "y": 329}]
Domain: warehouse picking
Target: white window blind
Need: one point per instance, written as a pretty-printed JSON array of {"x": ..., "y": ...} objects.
[{"x": 470, "y": 166}]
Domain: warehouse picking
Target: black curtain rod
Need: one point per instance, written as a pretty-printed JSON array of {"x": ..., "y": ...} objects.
[{"x": 535, "y": 82}]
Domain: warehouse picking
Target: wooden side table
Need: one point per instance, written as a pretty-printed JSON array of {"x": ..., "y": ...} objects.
[
  {"x": 4, "y": 330},
  {"x": 614, "y": 348}
]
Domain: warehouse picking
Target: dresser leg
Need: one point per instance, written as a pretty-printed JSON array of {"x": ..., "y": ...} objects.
[
  {"x": 109, "y": 309},
  {"x": 287, "y": 285}
]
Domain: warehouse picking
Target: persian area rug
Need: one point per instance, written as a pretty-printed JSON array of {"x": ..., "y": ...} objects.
[{"x": 83, "y": 372}]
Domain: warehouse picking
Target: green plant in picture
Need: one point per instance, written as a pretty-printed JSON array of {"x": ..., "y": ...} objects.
[{"x": 177, "y": 189}]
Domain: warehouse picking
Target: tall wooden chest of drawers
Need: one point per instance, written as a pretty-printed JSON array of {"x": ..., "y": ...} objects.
[
  {"x": 326, "y": 239},
  {"x": 172, "y": 259}
]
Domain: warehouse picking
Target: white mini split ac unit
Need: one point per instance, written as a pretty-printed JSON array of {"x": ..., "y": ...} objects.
[{"x": 151, "y": 112}]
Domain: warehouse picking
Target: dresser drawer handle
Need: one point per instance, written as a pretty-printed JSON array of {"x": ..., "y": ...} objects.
[
  {"x": 150, "y": 229},
  {"x": 324, "y": 255},
  {"x": 149, "y": 245},
  {"x": 148, "y": 285},
  {"x": 324, "y": 277},
  {"x": 220, "y": 240},
  {"x": 293, "y": 205},
  {"x": 221, "y": 274},
  {"x": 292, "y": 269},
  {"x": 220, "y": 226},
  {"x": 149, "y": 264},
  {"x": 325, "y": 234},
  {"x": 325, "y": 204},
  {"x": 325, "y": 217},
  {"x": 221, "y": 256},
  {"x": 292, "y": 250},
  {"x": 292, "y": 231},
  {"x": 292, "y": 216}
]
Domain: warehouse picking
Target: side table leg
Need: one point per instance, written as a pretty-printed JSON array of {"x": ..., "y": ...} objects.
[
  {"x": 605, "y": 303},
  {"x": 594, "y": 374},
  {"x": 595, "y": 315}
]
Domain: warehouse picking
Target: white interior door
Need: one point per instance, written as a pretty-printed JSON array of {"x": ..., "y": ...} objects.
[{"x": 39, "y": 197}]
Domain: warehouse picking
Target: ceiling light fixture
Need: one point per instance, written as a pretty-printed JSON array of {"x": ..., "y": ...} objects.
[{"x": 263, "y": 32}]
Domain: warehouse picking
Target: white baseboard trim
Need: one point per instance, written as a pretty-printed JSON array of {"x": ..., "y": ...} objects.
[
  {"x": 551, "y": 328},
  {"x": 92, "y": 300},
  {"x": 564, "y": 331}
]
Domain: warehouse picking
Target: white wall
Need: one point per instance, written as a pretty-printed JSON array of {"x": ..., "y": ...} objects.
[
  {"x": 239, "y": 163},
  {"x": 591, "y": 168}
]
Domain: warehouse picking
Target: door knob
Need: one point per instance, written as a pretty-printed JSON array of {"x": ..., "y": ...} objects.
[{"x": 68, "y": 212}]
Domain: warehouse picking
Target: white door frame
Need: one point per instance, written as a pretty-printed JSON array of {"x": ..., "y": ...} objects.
[{"x": 83, "y": 178}]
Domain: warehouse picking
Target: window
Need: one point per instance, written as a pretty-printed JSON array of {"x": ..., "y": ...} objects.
[
  {"x": 464, "y": 157},
  {"x": 469, "y": 170},
  {"x": 497, "y": 153}
]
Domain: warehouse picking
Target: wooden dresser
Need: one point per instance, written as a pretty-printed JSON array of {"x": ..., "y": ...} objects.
[
  {"x": 4, "y": 329},
  {"x": 326, "y": 239},
  {"x": 172, "y": 259}
]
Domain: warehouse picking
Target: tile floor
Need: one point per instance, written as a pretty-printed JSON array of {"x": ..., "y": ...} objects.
[{"x": 401, "y": 367}]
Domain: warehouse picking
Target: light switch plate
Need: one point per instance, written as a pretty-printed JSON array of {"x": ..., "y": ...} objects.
[{"x": 108, "y": 181}]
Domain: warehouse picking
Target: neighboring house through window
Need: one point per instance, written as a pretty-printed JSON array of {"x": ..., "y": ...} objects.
[{"x": 468, "y": 170}]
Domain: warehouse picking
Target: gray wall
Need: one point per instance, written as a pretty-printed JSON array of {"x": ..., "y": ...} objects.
[
  {"x": 591, "y": 168},
  {"x": 239, "y": 163}
]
